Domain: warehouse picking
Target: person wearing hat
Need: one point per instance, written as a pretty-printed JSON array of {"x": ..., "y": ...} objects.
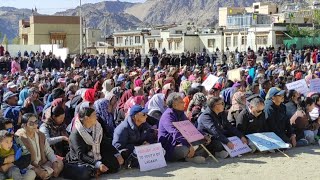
[
  {"x": 12, "y": 87},
  {"x": 276, "y": 117},
  {"x": 10, "y": 109},
  {"x": 133, "y": 131}
]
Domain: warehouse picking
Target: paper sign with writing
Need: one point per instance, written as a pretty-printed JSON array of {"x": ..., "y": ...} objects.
[
  {"x": 300, "y": 86},
  {"x": 188, "y": 131},
  {"x": 239, "y": 147},
  {"x": 267, "y": 141},
  {"x": 210, "y": 82},
  {"x": 234, "y": 75},
  {"x": 150, "y": 157},
  {"x": 315, "y": 85}
]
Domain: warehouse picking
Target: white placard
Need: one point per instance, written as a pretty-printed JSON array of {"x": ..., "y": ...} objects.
[
  {"x": 210, "y": 82},
  {"x": 300, "y": 86},
  {"x": 150, "y": 157},
  {"x": 267, "y": 141},
  {"x": 239, "y": 147},
  {"x": 315, "y": 85}
]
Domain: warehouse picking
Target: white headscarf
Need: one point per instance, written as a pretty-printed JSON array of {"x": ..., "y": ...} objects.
[{"x": 156, "y": 103}]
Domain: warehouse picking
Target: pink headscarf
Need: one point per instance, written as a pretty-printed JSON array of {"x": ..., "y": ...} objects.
[{"x": 138, "y": 83}]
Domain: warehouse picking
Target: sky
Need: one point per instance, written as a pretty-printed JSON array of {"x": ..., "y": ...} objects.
[{"x": 50, "y": 6}]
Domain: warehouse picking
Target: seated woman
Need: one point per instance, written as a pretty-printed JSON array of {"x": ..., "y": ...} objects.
[
  {"x": 55, "y": 131},
  {"x": 44, "y": 161},
  {"x": 104, "y": 109},
  {"x": 133, "y": 131},
  {"x": 89, "y": 154},
  {"x": 196, "y": 105},
  {"x": 176, "y": 146},
  {"x": 156, "y": 106},
  {"x": 238, "y": 104}
]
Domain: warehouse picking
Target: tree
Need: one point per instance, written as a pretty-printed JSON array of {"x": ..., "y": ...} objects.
[
  {"x": 5, "y": 40},
  {"x": 16, "y": 40}
]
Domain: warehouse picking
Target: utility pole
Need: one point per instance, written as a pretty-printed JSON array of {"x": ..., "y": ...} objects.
[{"x": 81, "y": 33}]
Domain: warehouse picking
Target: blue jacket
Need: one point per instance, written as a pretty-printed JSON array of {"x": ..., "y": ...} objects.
[
  {"x": 127, "y": 135},
  {"x": 217, "y": 125},
  {"x": 168, "y": 135}
]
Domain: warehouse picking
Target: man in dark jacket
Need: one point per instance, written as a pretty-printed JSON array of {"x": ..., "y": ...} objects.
[
  {"x": 213, "y": 121},
  {"x": 133, "y": 131},
  {"x": 252, "y": 119},
  {"x": 277, "y": 119}
]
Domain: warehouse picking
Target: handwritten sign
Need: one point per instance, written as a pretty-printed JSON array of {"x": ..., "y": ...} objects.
[
  {"x": 267, "y": 141},
  {"x": 188, "y": 131},
  {"x": 150, "y": 157},
  {"x": 210, "y": 82},
  {"x": 315, "y": 85},
  {"x": 239, "y": 147},
  {"x": 300, "y": 86},
  {"x": 234, "y": 75}
]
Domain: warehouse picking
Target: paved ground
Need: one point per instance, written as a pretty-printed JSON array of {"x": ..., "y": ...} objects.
[{"x": 302, "y": 164}]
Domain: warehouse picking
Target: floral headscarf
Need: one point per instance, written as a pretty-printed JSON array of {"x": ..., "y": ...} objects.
[
  {"x": 199, "y": 99},
  {"x": 101, "y": 107},
  {"x": 238, "y": 101},
  {"x": 185, "y": 86}
]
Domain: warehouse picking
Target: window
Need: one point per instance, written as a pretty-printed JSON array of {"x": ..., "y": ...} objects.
[
  {"x": 279, "y": 39},
  {"x": 137, "y": 39},
  {"x": 256, "y": 7},
  {"x": 151, "y": 45},
  {"x": 235, "y": 41},
  {"x": 159, "y": 45},
  {"x": 170, "y": 45},
  {"x": 228, "y": 41},
  {"x": 210, "y": 43},
  {"x": 119, "y": 40},
  {"x": 244, "y": 40},
  {"x": 177, "y": 45},
  {"x": 131, "y": 40},
  {"x": 178, "y": 32},
  {"x": 262, "y": 40}
]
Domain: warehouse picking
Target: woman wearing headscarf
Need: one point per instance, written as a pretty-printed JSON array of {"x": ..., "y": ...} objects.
[
  {"x": 195, "y": 107},
  {"x": 107, "y": 86},
  {"x": 104, "y": 112},
  {"x": 156, "y": 106},
  {"x": 89, "y": 153},
  {"x": 54, "y": 128},
  {"x": 238, "y": 104},
  {"x": 185, "y": 86}
]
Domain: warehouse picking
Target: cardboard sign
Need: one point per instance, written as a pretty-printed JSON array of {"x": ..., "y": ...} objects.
[
  {"x": 315, "y": 85},
  {"x": 234, "y": 75},
  {"x": 267, "y": 141},
  {"x": 300, "y": 86},
  {"x": 239, "y": 147},
  {"x": 210, "y": 82},
  {"x": 188, "y": 131},
  {"x": 150, "y": 157}
]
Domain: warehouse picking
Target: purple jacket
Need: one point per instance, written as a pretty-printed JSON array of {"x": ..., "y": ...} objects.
[{"x": 168, "y": 135}]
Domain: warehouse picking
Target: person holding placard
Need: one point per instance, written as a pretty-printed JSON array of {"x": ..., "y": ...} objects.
[
  {"x": 176, "y": 146},
  {"x": 133, "y": 131},
  {"x": 277, "y": 119},
  {"x": 213, "y": 121}
]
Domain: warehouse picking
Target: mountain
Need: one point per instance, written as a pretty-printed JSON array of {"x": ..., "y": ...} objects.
[
  {"x": 107, "y": 16},
  {"x": 9, "y": 21},
  {"x": 201, "y": 12}
]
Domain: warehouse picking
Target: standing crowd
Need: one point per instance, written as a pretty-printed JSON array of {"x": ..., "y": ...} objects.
[{"x": 83, "y": 117}]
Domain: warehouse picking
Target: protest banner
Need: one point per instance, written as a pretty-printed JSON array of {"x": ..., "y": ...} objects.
[
  {"x": 315, "y": 85},
  {"x": 210, "y": 82},
  {"x": 300, "y": 86},
  {"x": 267, "y": 141},
  {"x": 234, "y": 75},
  {"x": 192, "y": 135},
  {"x": 150, "y": 157},
  {"x": 239, "y": 147}
]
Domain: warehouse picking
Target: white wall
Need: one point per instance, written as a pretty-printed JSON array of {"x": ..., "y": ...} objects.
[
  {"x": 14, "y": 49},
  {"x": 56, "y": 50},
  {"x": 218, "y": 42},
  {"x": 191, "y": 43}
]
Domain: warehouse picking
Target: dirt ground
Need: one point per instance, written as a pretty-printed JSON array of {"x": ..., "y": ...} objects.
[{"x": 302, "y": 164}]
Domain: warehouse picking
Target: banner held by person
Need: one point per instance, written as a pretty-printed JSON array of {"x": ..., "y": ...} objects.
[
  {"x": 210, "y": 82},
  {"x": 267, "y": 141},
  {"x": 150, "y": 157},
  {"x": 192, "y": 135},
  {"x": 315, "y": 85},
  {"x": 234, "y": 75},
  {"x": 300, "y": 86},
  {"x": 239, "y": 147}
]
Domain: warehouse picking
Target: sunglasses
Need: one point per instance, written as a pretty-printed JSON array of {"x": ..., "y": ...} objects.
[
  {"x": 222, "y": 103},
  {"x": 33, "y": 123}
]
